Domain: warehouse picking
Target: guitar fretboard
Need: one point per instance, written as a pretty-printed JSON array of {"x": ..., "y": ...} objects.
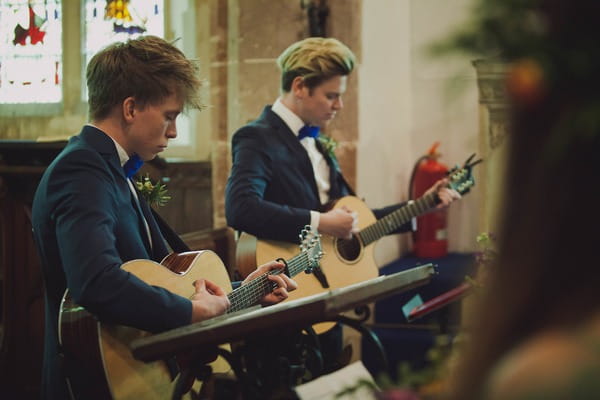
[
  {"x": 252, "y": 292},
  {"x": 394, "y": 220}
]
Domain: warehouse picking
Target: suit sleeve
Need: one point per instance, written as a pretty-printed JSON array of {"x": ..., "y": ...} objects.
[{"x": 246, "y": 208}]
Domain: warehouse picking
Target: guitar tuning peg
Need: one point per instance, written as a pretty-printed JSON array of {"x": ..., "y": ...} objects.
[
  {"x": 474, "y": 163},
  {"x": 469, "y": 160}
]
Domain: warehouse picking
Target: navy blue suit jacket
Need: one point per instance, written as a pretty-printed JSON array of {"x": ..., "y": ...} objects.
[
  {"x": 85, "y": 226},
  {"x": 271, "y": 189}
]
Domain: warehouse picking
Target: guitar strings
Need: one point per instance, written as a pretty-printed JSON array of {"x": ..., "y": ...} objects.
[
  {"x": 254, "y": 290},
  {"x": 388, "y": 223},
  {"x": 393, "y": 220},
  {"x": 250, "y": 293}
]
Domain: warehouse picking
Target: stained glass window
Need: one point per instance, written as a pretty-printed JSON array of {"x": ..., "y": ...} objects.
[
  {"x": 30, "y": 51},
  {"x": 108, "y": 21}
]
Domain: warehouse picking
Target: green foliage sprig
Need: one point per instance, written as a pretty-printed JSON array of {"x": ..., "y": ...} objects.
[
  {"x": 155, "y": 193},
  {"x": 329, "y": 144},
  {"x": 484, "y": 258},
  {"x": 488, "y": 253}
]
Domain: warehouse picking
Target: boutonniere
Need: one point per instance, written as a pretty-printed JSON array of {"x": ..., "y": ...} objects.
[
  {"x": 155, "y": 193},
  {"x": 329, "y": 144}
]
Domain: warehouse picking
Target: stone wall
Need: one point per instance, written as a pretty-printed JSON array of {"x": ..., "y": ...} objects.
[{"x": 237, "y": 42}]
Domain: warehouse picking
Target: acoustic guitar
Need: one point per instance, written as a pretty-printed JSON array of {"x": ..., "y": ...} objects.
[
  {"x": 99, "y": 361},
  {"x": 347, "y": 261}
]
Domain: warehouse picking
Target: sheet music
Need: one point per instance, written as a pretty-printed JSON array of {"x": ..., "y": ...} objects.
[{"x": 327, "y": 387}]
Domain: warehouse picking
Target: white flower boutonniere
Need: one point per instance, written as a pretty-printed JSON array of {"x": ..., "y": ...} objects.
[
  {"x": 154, "y": 193},
  {"x": 329, "y": 144}
]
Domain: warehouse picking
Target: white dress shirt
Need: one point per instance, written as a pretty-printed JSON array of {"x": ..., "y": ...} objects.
[{"x": 319, "y": 164}]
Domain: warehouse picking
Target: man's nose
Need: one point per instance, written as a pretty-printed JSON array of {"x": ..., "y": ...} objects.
[
  {"x": 172, "y": 130},
  {"x": 338, "y": 104}
]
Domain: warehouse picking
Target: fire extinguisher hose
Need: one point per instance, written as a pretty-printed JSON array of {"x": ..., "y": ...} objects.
[
  {"x": 431, "y": 154},
  {"x": 412, "y": 175}
]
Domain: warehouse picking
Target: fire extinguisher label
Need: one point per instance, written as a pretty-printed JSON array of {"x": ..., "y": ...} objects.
[{"x": 441, "y": 234}]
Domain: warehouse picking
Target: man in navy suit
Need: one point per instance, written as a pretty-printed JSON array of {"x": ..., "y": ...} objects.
[
  {"x": 278, "y": 183},
  {"x": 87, "y": 217}
]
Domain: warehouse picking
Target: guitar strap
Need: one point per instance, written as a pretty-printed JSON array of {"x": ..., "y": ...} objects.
[{"x": 172, "y": 238}]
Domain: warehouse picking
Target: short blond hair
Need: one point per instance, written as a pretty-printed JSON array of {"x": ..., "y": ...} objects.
[
  {"x": 315, "y": 59},
  {"x": 147, "y": 68}
]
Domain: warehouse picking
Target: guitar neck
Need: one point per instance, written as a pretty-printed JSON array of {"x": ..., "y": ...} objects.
[
  {"x": 394, "y": 220},
  {"x": 252, "y": 292}
]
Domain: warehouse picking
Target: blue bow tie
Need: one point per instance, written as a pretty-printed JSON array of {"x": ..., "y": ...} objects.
[
  {"x": 308, "y": 131},
  {"x": 132, "y": 165}
]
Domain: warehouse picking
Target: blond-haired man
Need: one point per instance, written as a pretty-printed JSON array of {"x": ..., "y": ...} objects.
[{"x": 281, "y": 176}]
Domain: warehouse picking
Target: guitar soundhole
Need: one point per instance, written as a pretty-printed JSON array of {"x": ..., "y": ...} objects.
[{"x": 348, "y": 249}]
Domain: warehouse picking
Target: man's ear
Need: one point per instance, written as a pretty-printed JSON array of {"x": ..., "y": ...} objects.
[
  {"x": 299, "y": 88},
  {"x": 128, "y": 107}
]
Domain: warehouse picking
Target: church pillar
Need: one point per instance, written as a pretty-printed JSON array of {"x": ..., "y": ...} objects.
[{"x": 493, "y": 129}]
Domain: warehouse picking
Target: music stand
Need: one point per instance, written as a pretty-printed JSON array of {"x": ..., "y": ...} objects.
[
  {"x": 440, "y": 301},
  {"x": 203, "y": 337}
]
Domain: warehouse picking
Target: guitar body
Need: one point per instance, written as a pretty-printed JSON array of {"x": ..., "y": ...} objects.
[
  {"x": 344, "y": 262},
  {"x": 101, "y": 364},
  {"x": 348, "y": 261}
]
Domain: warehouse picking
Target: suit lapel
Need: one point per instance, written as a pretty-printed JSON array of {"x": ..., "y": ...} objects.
[
  {"x": 339, "y": 185},
  {"x": 285, "y": 134},
  {"x": 334, "y": 190},
  {"x": 106, "y": 147},
  {"x": 159, "y": 249}
]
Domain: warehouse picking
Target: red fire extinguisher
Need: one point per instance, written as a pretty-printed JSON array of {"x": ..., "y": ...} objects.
[{"x": 430, "y": 238}]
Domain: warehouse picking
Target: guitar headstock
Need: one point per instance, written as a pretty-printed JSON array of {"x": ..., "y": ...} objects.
[
  {"x": 310, "y": 244},
  {"x": 461, "y": 178}
]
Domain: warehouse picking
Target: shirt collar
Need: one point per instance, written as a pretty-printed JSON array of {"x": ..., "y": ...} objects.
[
  {"x": 123, "y": 157},
  {"x": 291, "y": 120}
]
